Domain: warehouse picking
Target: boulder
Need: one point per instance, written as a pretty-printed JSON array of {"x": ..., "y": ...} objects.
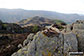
[
  {"x": 70, "y": 42},
  {"x": 80, "y": 37},
  {"x": 68, "y": 28},
  {"x": 78, "y": 27}
]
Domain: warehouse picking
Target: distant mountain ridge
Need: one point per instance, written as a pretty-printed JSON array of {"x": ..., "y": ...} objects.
[{"x": 16, "y": 15}]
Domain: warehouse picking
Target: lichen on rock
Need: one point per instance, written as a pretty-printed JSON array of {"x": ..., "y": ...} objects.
[{"x": 53, "y": 42}]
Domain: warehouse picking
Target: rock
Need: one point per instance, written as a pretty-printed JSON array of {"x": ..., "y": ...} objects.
[
  {"x": 79, "y": 22},
  {"x": 70, "y": 42},
  {"x": 29, "y": 39},
  {"x": 44, "y": 46},
  {"x": 80, "y": 37},
  {"x": 55, "y": 29},
  {"x": 14, "y": 54},
  {"x": 78, "y": 27},
  {"x": 52, "y": 31},
  {"x": 53, "y": 42},
  {"x": 20, "y": 46},
  {"x": 68, "y": 28}
]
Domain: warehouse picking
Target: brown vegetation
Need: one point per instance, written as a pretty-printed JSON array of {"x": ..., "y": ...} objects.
[{"x": 9, "y": 46}]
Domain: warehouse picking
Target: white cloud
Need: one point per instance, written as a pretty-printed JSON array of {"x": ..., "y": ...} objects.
[{"x": 64, "y": 6}]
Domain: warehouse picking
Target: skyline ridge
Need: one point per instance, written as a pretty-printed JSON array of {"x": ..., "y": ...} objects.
[{"x": 38, "y": 10}]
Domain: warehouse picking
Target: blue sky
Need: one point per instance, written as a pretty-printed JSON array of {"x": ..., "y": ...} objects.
[{"x": 63, "y": 6}]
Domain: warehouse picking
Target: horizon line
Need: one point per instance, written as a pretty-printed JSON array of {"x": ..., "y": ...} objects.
[{"x": 39, "y": 10}]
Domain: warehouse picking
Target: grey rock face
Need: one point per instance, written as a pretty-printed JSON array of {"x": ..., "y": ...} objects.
[
  {"x": 70, "y": 42},
  {"x": 52, "y": 42},
  {"x": 43, "y": 46},
  {"x": 80, "y": 37},
  {"x": 78, "y": 30}
]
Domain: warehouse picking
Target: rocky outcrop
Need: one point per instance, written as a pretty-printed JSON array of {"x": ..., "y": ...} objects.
[
  {"x": 70, "y": 42},
  {"x": 78, "y": 29},
  {"x": 49, "y": 42},
  {"x": 42, "y": 45},
  {"x": 80, "y": 37},
  {"x": 53, "y": 42}
]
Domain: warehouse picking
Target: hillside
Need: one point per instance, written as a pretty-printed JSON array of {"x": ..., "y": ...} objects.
[
  {"x": 35, "y": 21},
  {"x": 10, "y": 28},
  {"x": 39, "y": 21},
  {"x": 15, "y": 15},
  {"x": 11, "y": 35}
]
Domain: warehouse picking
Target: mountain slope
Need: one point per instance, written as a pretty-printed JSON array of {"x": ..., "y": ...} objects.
[
  {"x": 40, "y": 21},
  {"x": 15, "y": 15},
  {"x": 35, "y": 21}
]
